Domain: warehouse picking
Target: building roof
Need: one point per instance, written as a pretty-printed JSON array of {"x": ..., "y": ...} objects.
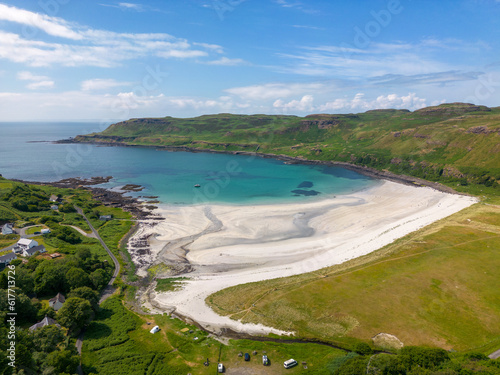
[
  {"x": 34, "y": 249},
  {"x": 7, "y": 257},
  {"x": 43, "y": 323},
  {"x": 58, "y": 298},
  {"x": 7, "y": 225},
  {"x": 26, "y": 242},
  {"x": 54, "y": 198}
]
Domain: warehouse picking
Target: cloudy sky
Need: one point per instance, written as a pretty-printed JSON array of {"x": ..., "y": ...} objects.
[{"x": 100, "y": 59}]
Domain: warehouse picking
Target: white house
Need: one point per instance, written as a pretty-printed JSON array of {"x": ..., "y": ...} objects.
[
  {"x": 24, "y": 244},
  {"x": 57, "y": 302},
  {"x": 54, "y": 198},
  {"x": 7, "y": 229},
  {"x": 32, "y": 250}
]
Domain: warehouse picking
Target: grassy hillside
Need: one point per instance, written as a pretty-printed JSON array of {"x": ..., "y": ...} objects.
[{"x": 457, "y": 144}]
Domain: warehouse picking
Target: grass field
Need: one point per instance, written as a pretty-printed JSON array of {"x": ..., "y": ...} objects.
[
  {"x": 437, "y": 286},
  {"x": 119, "y": 342}
]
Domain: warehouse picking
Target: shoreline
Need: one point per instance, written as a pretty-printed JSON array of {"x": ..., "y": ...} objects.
[
  {"x": 366, "y": 171},
  {"x": 219, "y": 246}
]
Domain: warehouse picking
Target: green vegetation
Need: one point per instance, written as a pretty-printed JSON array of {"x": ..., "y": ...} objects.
[
  {"x": 437, "y": 286},
  {"x": 170, "y": 284},
  {"x": 456, "y": 144},
  {"x": 413, "y": 360},
  {"x": 82, "y": 272},
  {"x": 119, "y": 342}
]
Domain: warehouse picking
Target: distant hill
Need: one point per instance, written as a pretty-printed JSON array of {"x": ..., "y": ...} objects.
[{"x": 456, "y": 144}]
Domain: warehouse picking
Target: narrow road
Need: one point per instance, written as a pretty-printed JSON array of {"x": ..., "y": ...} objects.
[
  {"x": 495, "y": 355},
  {"x": 79, "y": 230},
  {"x": 108, "y": 291},
  {"x": 115, "y": 261}
]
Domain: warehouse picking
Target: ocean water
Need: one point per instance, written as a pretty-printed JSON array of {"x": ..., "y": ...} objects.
[{"x": 26, "y": 153}]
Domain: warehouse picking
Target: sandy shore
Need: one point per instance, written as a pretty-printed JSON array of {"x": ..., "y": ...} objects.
[{"x": 224, "y": 246}]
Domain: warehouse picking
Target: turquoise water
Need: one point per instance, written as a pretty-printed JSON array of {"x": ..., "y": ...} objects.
[{"x": 234, "y": 179}]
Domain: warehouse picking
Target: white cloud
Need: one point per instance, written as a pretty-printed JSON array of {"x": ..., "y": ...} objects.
[
  {"x": 275, "y": 90},
  {"x": 101, "y": 84},
  {"x": 37, "y": 82},
  {"x": 130, "y": 6},
  {"x": 51, "y": 25},
  {"x": 28, "y": 76},
  {"x": 41, "y": 85},
  {"x": 227, "y": 62},
  {"x": 99, "y": 48},
  {"x": 303, "y": 105},
  {"x": 359, "y": 103},
  {"x": 378, "y": 59}
]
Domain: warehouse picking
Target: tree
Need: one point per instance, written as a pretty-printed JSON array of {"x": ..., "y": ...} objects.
[
  {"x": 88, "y": 294},
  {"x": 26, "y": 311},
  {"x": 99, "y": 278},
  {"x": 49, "y": 278},
  {"x": 47, "y": 338},
  {"x": 76, "y": 278},
  {"x": 63, "y": 361},
  {"x": 75, "y": 314}
]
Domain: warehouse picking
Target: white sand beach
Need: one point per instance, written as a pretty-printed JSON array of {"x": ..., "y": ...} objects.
[{"x": 231, "y": 245}]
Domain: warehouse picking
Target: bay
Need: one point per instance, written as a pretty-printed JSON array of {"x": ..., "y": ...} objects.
[{"x": 26, "y": 153}]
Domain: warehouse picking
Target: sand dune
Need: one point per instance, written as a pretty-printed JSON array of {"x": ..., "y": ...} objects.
[{"x": 231, "y": 245}]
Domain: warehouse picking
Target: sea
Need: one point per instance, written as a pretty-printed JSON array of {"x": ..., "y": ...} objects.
[{"x": 28, "y": 152}]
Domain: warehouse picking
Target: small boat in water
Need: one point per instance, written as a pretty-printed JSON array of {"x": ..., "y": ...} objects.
[{"x": 197, "y": 185}]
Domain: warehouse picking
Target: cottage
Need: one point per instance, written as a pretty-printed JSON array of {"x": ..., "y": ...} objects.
[
  {"x": 44, "y": 323},
  {"x": 54, "y": 207},
  {"x": 8, "y": 228},
  {"x": 57, "y": 302},
  {"x": 105, "y": 217},
  {"x": 24, "y": 244},
  {"x": 54, "y": 198},
  {"x": 36, "y": 249},
  {"x": 7, "y": 258}
]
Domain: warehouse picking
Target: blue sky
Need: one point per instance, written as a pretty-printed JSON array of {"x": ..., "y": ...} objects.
[{"x": 112, "y": 60}]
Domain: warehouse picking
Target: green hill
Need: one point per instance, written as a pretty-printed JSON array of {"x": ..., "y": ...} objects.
[{"x": 457, "y": 144}]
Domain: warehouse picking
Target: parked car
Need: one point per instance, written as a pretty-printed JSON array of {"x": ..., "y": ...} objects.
[
  {"x": 155, "y": 329},
  {"x": 290, "y": 363},
  {"x": 265, "y": 360},
  {"x": 220, "y": 368},
  {"x": 247, "y": 357}
]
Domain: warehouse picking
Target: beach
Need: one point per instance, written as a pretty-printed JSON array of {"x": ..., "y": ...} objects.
[{"x": 219, "y": 246}]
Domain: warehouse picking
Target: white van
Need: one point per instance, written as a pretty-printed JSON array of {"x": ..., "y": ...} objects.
[
  {"x": 155, "y": 329},
  {"x": 220, "y": 368},
  {"x": 290, "y": 363}
]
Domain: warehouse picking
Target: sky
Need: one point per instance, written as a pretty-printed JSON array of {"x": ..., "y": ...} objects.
[{"x": 74, "y": 60}]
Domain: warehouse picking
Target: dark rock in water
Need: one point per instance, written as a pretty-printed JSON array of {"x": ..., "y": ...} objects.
[
  {"x": 305, "y": 184},
  {"x": 307, "y": 193}
]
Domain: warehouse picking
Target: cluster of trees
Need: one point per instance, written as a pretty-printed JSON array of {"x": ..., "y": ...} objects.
[
  {"x": 45, "y": 351},
  {"x": 48, "y": 350},
  {"x": 27, "y": 198},
  {"x": 46, "y": 277},
  {"x": 413, "y": 360}
]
